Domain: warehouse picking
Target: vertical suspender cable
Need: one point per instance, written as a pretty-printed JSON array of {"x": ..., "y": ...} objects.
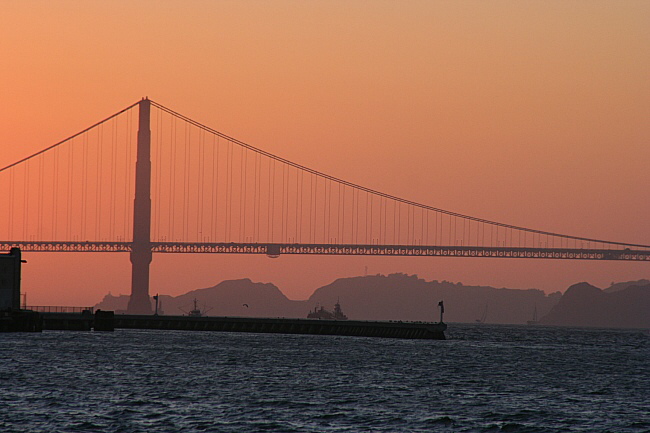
[
  {"x": 268, "y": 207},
  {"x": 288, "y": 212},
  {"x": 12, "y": 208},
  {"x": 41, "y": 174},
  {"x": 327, "y": 186},
  {"x": 343, "y": 217},
  {"x": 227, "y": 193},
  {"x": 273, "y": 202},
  {"x": 244, "y": 163},
  {"x": 26, "y": 201},
  {"x": 368, "y": 217},
  {"x": 311, "y": 206},
  {"x": 216, "y": 190},
  {"x": 55, "y": 194},
  {"x": 435, "y": 236},
  {"x": 185, "y": 183},
  {"x": 299, "y": 195},
  {"x": 372, "y": 197},
  {"x": 98, "y": 202},
  {"x": 112, "y": 204},
  {"x": 395, "y": 238},
  {"x": 315, "y": 208},
  {"x": 172, "y": 184},
  {"x": 199, "y": 187},
  {"x": 338, "y": 213},
  {"x": 422, "y": 236},
  {"x": 354, "y": 218},
  {"x": 283, "y": 206},
  {"x": 255, "y": 197},
  {"x": 85, "y": 181},
  {"x": 69, "y": 191},
  {"x": 212, "y": 191}
]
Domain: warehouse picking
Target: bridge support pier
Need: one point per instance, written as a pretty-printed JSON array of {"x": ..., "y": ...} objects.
[{"x": 140, "y": 303}]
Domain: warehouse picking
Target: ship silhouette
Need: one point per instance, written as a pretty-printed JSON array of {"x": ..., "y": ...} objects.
[
  {"x": 196, "y": 311},
  {"x": 322, "y": 313}
]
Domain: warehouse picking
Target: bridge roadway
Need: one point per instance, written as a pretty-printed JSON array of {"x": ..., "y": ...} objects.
[{"x": 277, "y": 249}]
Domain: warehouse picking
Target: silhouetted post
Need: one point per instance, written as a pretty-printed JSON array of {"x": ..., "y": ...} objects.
[
  {"x": 139, "y": 303},
  {"x": 442, "y": 310},
  {"x": 10, "y": 280}
]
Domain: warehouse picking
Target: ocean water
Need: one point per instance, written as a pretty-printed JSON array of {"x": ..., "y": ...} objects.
[{"x": 482, "y": 379}]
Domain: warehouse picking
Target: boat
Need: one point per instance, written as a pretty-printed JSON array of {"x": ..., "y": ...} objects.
[
  {"x": 534, "y": 321},
  {"x": 322, "y": 313},
  {"x": 482, "y": 319},
  {"x": 196, "y": 311}
]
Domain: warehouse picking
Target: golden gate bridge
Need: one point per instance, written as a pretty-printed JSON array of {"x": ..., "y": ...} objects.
[{"x": 197, "y": 190}]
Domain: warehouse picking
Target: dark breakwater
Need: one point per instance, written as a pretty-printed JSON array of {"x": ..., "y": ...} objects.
[
  {"x": 357, "y": 328},
  {"x": 107, "y": 321}
]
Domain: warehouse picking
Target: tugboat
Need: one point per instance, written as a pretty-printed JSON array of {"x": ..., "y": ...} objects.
[
  {"x": 196, "y": 311},
  {"x": 322, "y": 313}
]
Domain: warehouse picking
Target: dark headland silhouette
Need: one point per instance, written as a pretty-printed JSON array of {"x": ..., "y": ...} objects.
[
  {"x": 407, "y": 297},
  {"x": 623, "y": 305}
]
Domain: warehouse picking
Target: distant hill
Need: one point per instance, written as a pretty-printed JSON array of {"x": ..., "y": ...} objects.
[
  {"x": 585, "y": 305},
  {"x": 374, "y": 297},
  {"x": 615, "y": 287},
  {"x": 407, "y": 297},
  {"x": 228, "y": 298}
]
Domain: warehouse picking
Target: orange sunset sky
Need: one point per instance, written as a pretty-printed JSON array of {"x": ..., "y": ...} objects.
[{"x": 534, "y": 114}]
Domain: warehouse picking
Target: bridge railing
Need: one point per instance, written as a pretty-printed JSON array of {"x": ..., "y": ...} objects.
[{"x": 59, "y": 309}]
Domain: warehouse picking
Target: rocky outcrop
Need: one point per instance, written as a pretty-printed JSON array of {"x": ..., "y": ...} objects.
[{"x": 585, "y": 305}]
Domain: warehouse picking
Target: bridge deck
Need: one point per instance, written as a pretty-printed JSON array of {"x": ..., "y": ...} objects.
[{"x": 277, "y": 249}]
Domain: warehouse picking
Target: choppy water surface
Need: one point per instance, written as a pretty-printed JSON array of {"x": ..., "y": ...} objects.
[{"x": 482, "y": 379}]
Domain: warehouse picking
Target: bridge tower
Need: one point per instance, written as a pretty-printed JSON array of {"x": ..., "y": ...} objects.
[{"x": 139, "y": 303}]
